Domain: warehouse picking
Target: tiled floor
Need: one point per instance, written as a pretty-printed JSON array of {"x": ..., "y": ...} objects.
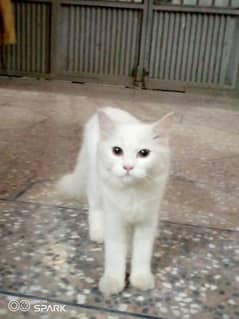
[{"x": 46, "y": 256}]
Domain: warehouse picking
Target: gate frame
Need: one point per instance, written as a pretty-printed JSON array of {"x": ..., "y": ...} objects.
[{"x": 140, "y": 74}]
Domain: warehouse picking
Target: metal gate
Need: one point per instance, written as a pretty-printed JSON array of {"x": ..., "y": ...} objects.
[{"x": 167, "y": 44}]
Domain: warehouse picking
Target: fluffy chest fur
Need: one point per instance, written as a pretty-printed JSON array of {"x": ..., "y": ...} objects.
[{"x": 133, "y": 204}]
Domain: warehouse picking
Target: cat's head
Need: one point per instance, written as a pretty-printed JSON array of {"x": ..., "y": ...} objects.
[{"x": 132, "y": 153}]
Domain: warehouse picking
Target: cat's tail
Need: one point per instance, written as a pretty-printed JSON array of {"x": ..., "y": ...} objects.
[{"x": 73, "y": 185}]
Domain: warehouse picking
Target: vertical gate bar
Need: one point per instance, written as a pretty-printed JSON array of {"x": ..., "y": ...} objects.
[
  {"x": 85, "y": 39},
  {"x": 180, "y": 45},
  {"x": 235, "y": 75},
  {"x": 44, "y": 40},
  {"x": 165, "y": 45},
  {"x": 36, "y": 37},
  {"x": 17, "y": 50},
  {"x": 82, "y": 32},
  {"x": 39, "y": 40},
  {"x": 118, "y": 42},
  {"x": 191, "y": 47},
  {"x": 129, "y": 18},
  {"x": 88, "y": 39},
  {"x": 162, "y": 54},
  {"x": 23, "y": 42},
  {"x": 107, "y": 43},
  {"x": 14, "y": 57},
  {"x": 39, "y": 44},
  {"x": 196, "y": 47},
  {"x": 186, "y": 45},
  {"x": 118, "y": 57},
  {"x": 175, "y": 39},
  {"x": 27, "y": 35},
  {"x": 94, "y": 44},
  {"x": 26, "y": 44},
  {"x": 77, "y": 50},
  {"x": 68, "y": 48},
  {"x": 76, "y": 39},
  {"x": 152, "y": 59},
  {"x": 55, "y": 38},
  {"x": 73, "y": 40},
  {"x": 145, "y": 39},
  {"x": 102, "y": 40},
  {"x": 226, "y": 49},
  {"x": 220, "y": 45},
  {"x": 33, "y": 33},
  {"x": 215, "y": 48},
  {"x": 169, "y": 45},
  {"x": 130, "y": 66},
  {"x": 92, "y": 40},
  {"x": 97, "y": 39},
  {"x": 207, "y": 50},
  {"x": 134, "y": 40},
  {"x": 113, "y": 40},
  {"x": 124, "y": 34},
  {"x": 32, "y": 38},
  {"x": 201, "y": 49},
  {"x": 14, "y": 47}
]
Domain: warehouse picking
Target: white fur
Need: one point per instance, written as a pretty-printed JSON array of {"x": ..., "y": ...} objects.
[{"x": 123, "y": 207}]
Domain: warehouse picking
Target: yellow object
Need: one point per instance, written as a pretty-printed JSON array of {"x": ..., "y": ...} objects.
[{"x": 7, "y": 26}]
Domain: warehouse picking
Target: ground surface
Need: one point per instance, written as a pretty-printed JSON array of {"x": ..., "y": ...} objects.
[{"x": 44, "y": 249}]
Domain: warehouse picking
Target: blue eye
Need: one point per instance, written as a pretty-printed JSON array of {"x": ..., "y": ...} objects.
[
  {"x": 143, "y": 153},
  {"x": 117, "y": 150}
]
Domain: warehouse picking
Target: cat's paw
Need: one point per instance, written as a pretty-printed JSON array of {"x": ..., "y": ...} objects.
[
  {"x": 142, "y": 280},
  {"x": 111, "y": 285},
  {"x": 96, "y": 232}
]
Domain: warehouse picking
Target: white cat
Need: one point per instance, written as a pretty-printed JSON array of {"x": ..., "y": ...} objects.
[{"x": 123, "y": 167}]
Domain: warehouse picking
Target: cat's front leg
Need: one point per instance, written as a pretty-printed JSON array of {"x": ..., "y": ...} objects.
[
  {"x": 143, "y": 239},
  {"x": 96, "y": 229},
  {"x": 113, "y": 280}
]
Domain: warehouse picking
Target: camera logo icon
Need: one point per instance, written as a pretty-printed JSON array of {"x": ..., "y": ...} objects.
[{"x": 16, "y": 305}]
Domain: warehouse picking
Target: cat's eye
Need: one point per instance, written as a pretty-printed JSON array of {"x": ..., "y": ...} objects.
[
  {"x": 143, "y": 153},
  {"x": 117, "y": 150}
]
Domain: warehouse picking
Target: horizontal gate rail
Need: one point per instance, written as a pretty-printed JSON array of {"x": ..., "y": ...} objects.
[
  {"x": 128, "y": 5},
  {"x": 94, "y": 3},
  {"x": 191, "y": 9}
]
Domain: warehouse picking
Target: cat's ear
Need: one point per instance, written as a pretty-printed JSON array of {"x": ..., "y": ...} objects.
[
  {"x": 163, "y": 127},
  {"x": 105, "y": 123}
]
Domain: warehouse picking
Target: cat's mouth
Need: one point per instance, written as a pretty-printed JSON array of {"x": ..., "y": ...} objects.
[{"x": 127, "y": 178}]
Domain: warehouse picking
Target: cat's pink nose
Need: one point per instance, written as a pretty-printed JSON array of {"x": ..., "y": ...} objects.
[{"x": 128, "y": 167}]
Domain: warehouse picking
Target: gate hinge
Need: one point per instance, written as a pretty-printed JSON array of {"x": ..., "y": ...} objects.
[{"x": 139, "y": 74}]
